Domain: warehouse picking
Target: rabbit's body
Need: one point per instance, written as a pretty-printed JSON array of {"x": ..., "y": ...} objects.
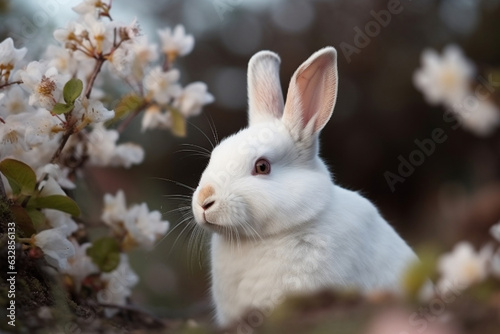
[
  {"x": 349, "y": 246},
  {"x": 281, "y": 225}
]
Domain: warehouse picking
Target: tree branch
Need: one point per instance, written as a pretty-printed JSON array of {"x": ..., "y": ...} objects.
[
  {"x": 132, "y": 115},
  {"x": 10, "y": 83},
  {"x": 63, "y": 142},
  {"x": 3, "y": 194},
  {"x": 130, "y": 308},
  {"x": 95, "y": 72}
]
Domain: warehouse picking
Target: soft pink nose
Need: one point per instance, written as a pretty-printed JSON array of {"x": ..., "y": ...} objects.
[{"x": 204, "y": 197}]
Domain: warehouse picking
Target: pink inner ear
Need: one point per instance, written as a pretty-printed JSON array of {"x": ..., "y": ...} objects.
[
  {"x": 314, "y": 92},
  {"x": 264, "y": 89},
  {"x": 311, "y": 89}
]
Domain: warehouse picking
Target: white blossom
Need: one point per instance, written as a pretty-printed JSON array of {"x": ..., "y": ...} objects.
[
  {"x": 478, "y": 116},
  {"x": 92, "y": 111},
  {"x": 56, "y": 248},
  {"x": 41, "y": 127},
  {"x": 463, "y": 266},
  {"x": 103, "y": 151},
  {"x": 62, "y": 59},
  {"x": 101, "y": 145},
  {"x": 70, "y": 33},
  {"x": 118, "y": 285},
  {"x": 50, "y": 187},
  {"x": 126, "y": 155},
  {"x": 133, "y": 57},
  {"x": 162, "y": 86},
  {"x": 495, "y": 231},
  {"x": 44, "y": 84},
  {"x": 144, "y": 54},
  {"x": 80, "y": 265},
  {"x": 88, "y": 7},
  {"x": 176, "y": 43},
  {"x": 15, "y": 102},
  {"x": 193, "y": 98},
  {"x": 444, "y": 79},
  {"x": 9, "y": 55},
  {"x": 121, "y": 61},
  {"x": 143, "y": 226},
  {"x": 37, "y": 156},
  {"x": 132, "y": 30},
  {"x": 89, "y": 33},
  {"x": 115, "y": 210},
  {"x": 155, "y": 118},
  {"x": 100, "y": 33},
  {"x": 60, "y": 175},
  {"x": 61, "y": 221},
  {"x": 12, "y": 133},
  {"x": 495, "y": 264}
]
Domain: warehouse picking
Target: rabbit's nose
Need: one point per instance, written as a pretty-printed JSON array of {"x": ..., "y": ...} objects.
[
  {"x": 207, "y": 205},
  {"x": 204, "y": 195}
]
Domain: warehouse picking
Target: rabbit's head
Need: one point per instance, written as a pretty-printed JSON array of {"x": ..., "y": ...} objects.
[{"x": 268, "y": 178}]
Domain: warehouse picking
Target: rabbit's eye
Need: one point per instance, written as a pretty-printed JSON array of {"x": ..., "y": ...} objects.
[{"x": 262, "y": 166}]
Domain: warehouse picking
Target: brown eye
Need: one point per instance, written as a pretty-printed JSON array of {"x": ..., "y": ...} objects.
[{"x": 262, "y": 166}]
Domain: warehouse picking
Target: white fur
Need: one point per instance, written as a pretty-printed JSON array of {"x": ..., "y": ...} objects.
[{"x": 294, "y": 230}]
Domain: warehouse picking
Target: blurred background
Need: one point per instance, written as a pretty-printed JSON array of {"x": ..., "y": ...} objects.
[{"x": 454, "y": 194}]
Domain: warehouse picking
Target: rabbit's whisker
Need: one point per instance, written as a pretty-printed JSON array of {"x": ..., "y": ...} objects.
[
  {"x": 198, "y": 147},
  {"x": 212, "y": 127},
  {"x": 203, "y": 133},
  {"x": 177, "y": 183},
  {"x": 184, "y": 208}
]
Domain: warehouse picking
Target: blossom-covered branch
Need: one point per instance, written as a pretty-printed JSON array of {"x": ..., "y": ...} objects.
[
  {"x": 448, "y": 80},
  {"x": 54, "y": 123}
]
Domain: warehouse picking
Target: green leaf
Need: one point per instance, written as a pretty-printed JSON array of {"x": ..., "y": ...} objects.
[
  {"x": 38, "y": 219},
  {"x": 420, "y": 272},
  {"x": 61, "y": 108},
  {"x": 128, "y": 104},
  {"x": 105, "y": 253},
  {"x": 72, "y": 90},
  {"x": 23, "y": 220},
  {"x": 22, "y": 179},
  {"x": 178, "y": 123},
  {"x": 56, "y": 202}
]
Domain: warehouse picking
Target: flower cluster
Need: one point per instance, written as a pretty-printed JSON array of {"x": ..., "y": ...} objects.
[
  {"x": 135, "y": 225},
  {"x": 448, "y": 80},
  {"x": 464, "y": 267},
  {"x": 55, "y": 119}
]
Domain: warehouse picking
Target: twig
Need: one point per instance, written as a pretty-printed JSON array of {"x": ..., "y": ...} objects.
[
  {"x": 132, "y": 115},
  {"x": 166, "y": 64},
  {"x": 63, "y": 142},
  {"x": 95, "y": 72},
  {"x": 130, "y": 308},
  {"x": 3, "y": 194},
  {"x": 11, "y": 83},
  {"x": 100, "y": 59}
]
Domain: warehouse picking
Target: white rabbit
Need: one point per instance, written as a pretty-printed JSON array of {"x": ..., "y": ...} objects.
[{"x": 281, "y": 225}]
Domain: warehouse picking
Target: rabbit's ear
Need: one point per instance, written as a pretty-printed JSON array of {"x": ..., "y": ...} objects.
[
  {"x": 265, "y": 98},
  {"x": 312, "y": 94}
]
